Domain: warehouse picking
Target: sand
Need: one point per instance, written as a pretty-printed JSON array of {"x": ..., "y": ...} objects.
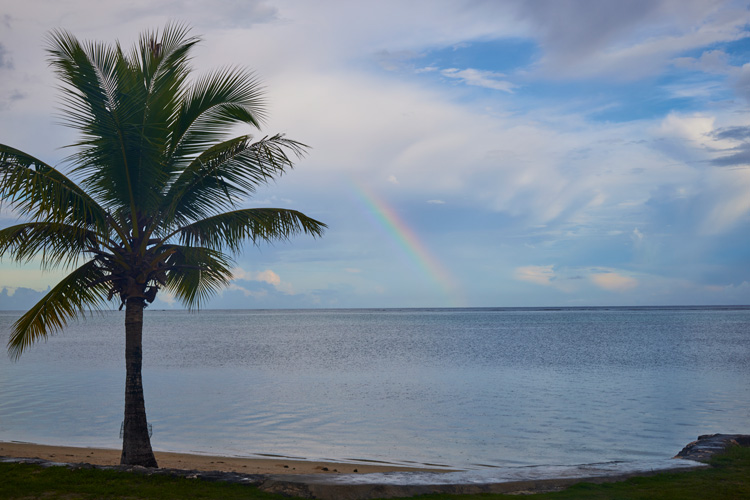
[{"x": 271, "y": 465}]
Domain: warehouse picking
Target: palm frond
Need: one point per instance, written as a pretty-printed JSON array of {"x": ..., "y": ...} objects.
[
  {"x": 160, "y": 65},
  {"x": 163, "y": 58},
  {"x": 196, "y": 274},
  {"x": 232, "y": 229},
  {"x": 93, "y": 79},
  {"x": 227, "y": 172},
  {"x": 56, "y": 244},
  {"x": 87, "y": 79},
  {"x": 214, "y": 104},
  {"x": 43, "y": 193},
  {"x": 156, "y": 167},
  {"x": 83, "y": 289},
  {"x": 124, "y": 105}
]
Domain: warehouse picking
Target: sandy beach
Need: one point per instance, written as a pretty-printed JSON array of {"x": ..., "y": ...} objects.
[{"x": 270, "y": 465}]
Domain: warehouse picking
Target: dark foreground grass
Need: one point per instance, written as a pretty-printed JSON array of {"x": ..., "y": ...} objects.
[
  {"x": 728, "y": 478},
  {"x": 27, "y": 482}
]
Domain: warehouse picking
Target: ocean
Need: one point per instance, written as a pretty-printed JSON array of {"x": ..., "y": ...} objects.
[{"x": 467, "y": 388}]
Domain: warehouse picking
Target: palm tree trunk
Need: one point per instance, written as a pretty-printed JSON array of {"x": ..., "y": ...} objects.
[{"x": 136, "y": 444}]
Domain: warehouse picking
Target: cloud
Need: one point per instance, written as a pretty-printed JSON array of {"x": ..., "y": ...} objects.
[
  {"x": 19, "y": 298},
  {"x": 627, "y": 40},
  {"x": 614, "y": 282},
  {"x": 575, "y": 27},
  {"x": 712, "y": 61},
  {"x": 732, "y": 203},
  {"x": 240, "y": 13},
  {"x": 522, "y": 168},
  {"x": 262, "y": 295},
  {"x": 13, "y": 96},
  {"x": 29, "y": 275},
  {"x": 397, "y": 60},
  {"x": 252, "y": 290},
  {"x": 732, "y": 144},
  {"x": 730, "y": 294},
  {"x": 6, "y": 62},
  {"x": 737, "y": 133},
  {"x": 696, "y": 128},
  {"x": 547, "y": 174},
  {"x": 486, "y": 79},
  {"x": 572, "y": 279},
  {"x": 267, "y": 276},
  {"x": 737, "y": 152},
  {"x": 539, "y": 275},
  {"x": 167, "y": 298},
  {"x": 741, "y": 157}
]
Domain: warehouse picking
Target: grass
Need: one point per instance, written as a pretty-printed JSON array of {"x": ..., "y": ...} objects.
[
  {"x": 27, "y": 482},
  {"x": 728, "y": 478}
]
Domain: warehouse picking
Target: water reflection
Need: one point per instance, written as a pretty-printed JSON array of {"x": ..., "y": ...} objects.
[{"x": 459, "y": 387}]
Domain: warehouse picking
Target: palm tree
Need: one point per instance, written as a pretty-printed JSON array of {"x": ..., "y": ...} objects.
[{"x": 155, "y": 205}]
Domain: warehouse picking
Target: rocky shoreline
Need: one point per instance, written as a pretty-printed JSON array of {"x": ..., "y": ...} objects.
[{"x": 709, "y": 445}]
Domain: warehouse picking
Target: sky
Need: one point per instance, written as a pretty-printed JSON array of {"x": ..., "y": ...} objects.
[{"x": 463, "y": 153}]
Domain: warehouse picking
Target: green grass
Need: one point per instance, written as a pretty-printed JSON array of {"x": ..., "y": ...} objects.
[
  {"x": 728, "y": 478},
  {"x": 27, "y": 482}
]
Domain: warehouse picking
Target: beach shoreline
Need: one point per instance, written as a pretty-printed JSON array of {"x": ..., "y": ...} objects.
[{"x": 191, "y": 461}]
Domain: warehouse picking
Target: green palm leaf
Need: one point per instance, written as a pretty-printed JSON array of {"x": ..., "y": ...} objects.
[
  {"x": 57, "y": 244},
  {"x": 227, "y": 172},
  {"x": 91, "y": 78},
  {"x": 232, "y": 229},
  {"x": 154, "y": 164},
  {"x": 213, "y": 105},
  {"x": 196, "y": 273},
  {"x": 39, "y": 190},
  {"x": 81, "y": 290}
]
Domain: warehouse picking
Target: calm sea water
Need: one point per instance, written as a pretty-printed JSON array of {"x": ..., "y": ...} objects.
[{"x": 459, "y": 387}]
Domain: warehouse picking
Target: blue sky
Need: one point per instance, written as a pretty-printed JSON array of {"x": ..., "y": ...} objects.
[{"x": 464, "y": 153}]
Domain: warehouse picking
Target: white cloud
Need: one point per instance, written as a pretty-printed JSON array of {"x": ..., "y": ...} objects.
[
  {"x": 245, "y": 291},
  {"x": 269, "y": 277},
  {"x": 729, "y": 294},
  {"x": 266, "y": 276},
  {"x": 167, "y": 297},
  {"x": 731, "y": 204},
  {"x": 519, "y": 165},
  {"x": 477, "y": 78},
  {"x": 539, "y": 275},
  {"x": 695, "y": 128},
  {"x": 711, "y": 61},
  {"x": 614, "y": 282}
]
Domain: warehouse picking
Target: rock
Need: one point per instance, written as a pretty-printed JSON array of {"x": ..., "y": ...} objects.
[{"x": 709, "y": 445}]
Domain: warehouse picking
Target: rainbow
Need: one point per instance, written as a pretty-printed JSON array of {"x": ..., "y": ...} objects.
[{"x": 404, "y": 236}]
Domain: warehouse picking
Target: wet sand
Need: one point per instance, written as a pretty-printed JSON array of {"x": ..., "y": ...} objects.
[{"x": 260, "y": 465}]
